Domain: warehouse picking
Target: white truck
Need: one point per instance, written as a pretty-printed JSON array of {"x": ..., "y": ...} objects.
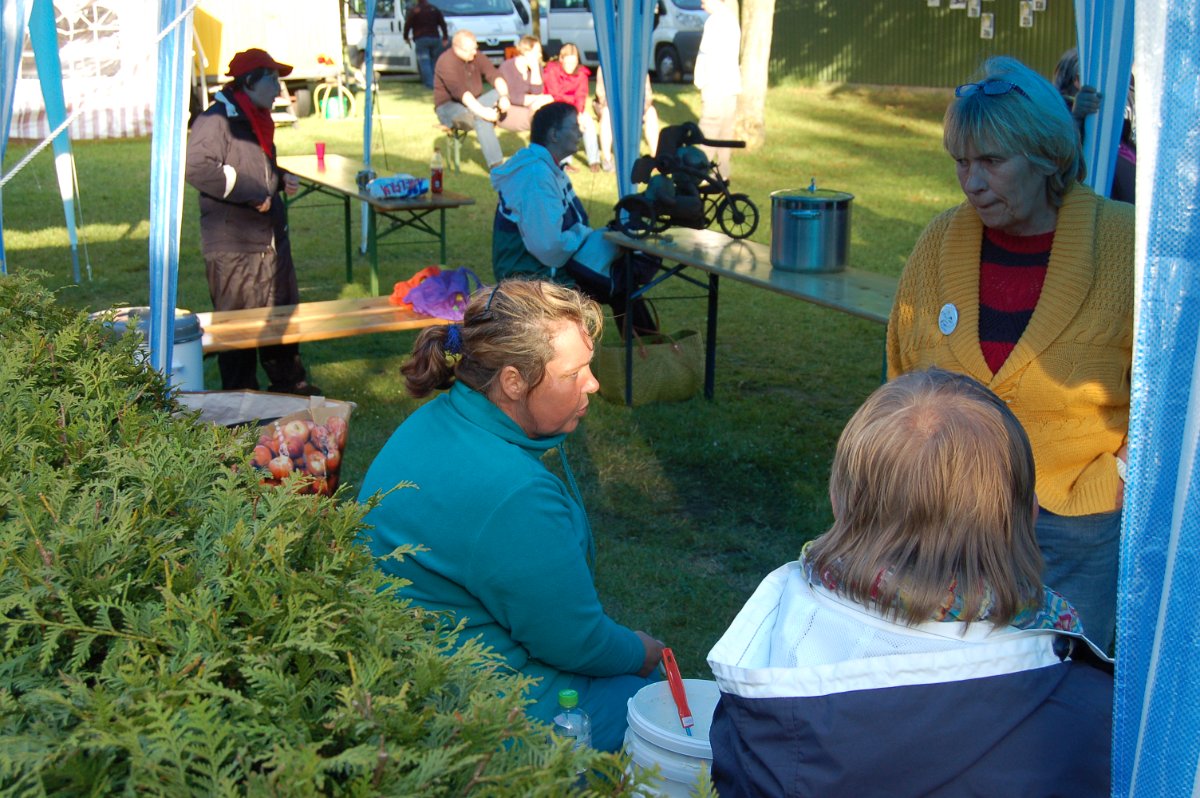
[
  {"x": 497, "y": 24},
  {"x": 303, "y": 33},
  {"x": 678, "y": 25}
]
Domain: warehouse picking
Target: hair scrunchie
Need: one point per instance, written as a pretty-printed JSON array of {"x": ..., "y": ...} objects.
[{"x": 454, "y": 340}]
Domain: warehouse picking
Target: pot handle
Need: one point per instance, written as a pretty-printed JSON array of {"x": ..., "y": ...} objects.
[{"x": 804, "y": 214}]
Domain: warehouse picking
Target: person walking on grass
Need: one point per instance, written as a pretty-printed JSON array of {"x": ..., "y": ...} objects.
[{"x": 422, "y": 25}]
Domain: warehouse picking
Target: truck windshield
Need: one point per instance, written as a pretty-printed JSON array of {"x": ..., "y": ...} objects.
[{"x": 473, "y": 8}]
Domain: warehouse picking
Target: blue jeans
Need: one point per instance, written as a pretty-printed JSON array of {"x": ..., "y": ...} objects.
[
  {"x": 427, "y": 49},
  {"x": 606, "y": 701},
  {"x": 1081, "y": 555},
  {"x": 603, "y": 698}
]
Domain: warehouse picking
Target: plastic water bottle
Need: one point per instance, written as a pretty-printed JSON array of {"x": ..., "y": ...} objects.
[
  {"x": 435, "y": 172},
  {"x": 571, "y": 721}
]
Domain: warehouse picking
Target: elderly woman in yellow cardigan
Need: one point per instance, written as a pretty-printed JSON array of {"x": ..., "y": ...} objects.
[{"x": 1028, "y": 287}]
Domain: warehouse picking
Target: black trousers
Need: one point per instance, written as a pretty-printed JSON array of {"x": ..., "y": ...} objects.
[
  {"x": 238, "y": 280},
  {"x": 611, "y": 291}
]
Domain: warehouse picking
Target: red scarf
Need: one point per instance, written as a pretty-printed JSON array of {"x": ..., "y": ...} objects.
[{"x": 260, "y": 121}]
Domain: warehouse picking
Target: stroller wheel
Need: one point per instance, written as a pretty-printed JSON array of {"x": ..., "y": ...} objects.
[
  {"x": 738, "y": 216},
  {"x": 635, "y": 216}
]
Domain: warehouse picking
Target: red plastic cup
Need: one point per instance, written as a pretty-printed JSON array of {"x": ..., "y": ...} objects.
[{"x": 320, "y": 152}]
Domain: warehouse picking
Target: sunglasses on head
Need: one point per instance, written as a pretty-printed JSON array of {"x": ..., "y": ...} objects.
[{"x": 990, "y": 88}]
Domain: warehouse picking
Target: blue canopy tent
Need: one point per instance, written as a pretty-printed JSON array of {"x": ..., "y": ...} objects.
[
  {"x": 1105, "y": 34},
  {"x": 623, "y": 34},
  {"x": 37, "y": 16},
  {"x": 368, "y": 105},
  {"x": 168, "y": 146},
  {"x": 1157, "y": 722},
  {"x": 1157, "y": 737}
]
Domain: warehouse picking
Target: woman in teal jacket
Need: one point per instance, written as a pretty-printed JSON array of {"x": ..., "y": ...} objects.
[{"x": 509, "y": 547}]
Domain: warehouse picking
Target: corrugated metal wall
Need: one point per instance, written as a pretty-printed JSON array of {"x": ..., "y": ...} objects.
[{"x": 906, "y": 42}]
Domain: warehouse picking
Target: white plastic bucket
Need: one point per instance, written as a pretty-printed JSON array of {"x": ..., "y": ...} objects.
[
  {"x": 655, "y": 736},
  {"x": 187, "y": 356}
]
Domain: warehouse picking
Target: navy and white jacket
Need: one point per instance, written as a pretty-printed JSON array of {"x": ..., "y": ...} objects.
[
  {"x": 540, "y": 223},
  {"x": 822, "y": 697}
]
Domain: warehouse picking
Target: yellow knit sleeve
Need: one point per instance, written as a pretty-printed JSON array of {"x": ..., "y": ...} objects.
[{"x": 916, "y": 292}]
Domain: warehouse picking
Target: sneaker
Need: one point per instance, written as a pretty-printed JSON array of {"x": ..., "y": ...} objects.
[
  {"x": 595, "y": 167},
  {"x": 607, "y": 165}
]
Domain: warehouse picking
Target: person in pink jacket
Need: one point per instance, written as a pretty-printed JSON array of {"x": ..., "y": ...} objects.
[{"x": 566, "y": 80}]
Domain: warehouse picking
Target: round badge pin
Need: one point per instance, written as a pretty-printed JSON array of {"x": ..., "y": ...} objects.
[{"x": 948, "y": 318}]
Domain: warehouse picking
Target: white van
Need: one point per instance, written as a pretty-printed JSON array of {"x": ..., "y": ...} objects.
[
  {"x": 678, "y": 25},
  {"x": 497, "y": 24}
]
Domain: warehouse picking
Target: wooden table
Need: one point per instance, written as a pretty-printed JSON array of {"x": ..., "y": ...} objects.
[
  {"x": 859, "y": 293},
  {"x": 337, "y": 176}
]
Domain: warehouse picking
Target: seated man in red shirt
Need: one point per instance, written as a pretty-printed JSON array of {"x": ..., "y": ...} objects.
[
  {"x": 457, "y": 99},
  {"x": 526, "y": 93},
  {"x": 567, "y": 82}
]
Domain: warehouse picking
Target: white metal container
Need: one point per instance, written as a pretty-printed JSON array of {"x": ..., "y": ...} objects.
[
  {"x": 810, "y": 229},
  {"x": 187, "y": 356}
]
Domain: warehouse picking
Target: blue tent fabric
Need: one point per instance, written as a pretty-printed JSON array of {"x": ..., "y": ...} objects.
[
  {"x": 13, "y": 23},
  {"x": 166, "y": 173},
  {"x": 1157, "y": 723},
  {"x": 44, "y": 36},
  {"x": 1105, "y": 35},
  {"x": 368, "y": 107},
  {"x": 623, "y": 35}
]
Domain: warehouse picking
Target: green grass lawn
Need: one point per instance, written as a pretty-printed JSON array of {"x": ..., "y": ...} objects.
[{"x": 692, "y": 503}]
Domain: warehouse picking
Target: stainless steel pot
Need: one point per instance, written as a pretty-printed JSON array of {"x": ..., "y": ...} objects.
[{"x": 810, "y": 229}]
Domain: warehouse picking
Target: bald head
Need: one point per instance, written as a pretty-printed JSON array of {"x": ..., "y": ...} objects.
[{"x": 464, "y": 45}]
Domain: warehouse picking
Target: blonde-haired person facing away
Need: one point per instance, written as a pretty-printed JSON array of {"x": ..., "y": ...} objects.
[{"x": 913, "y": 649}]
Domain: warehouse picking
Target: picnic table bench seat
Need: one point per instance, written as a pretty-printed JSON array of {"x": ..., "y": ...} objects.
[{"x": 225, "y": 330}]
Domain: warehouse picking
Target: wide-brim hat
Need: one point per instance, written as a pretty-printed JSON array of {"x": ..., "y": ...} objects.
[{"x": 252, "y": 59}]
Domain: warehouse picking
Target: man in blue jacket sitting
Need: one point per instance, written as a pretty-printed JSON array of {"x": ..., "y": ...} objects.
[{"x": 541, "y": 228}]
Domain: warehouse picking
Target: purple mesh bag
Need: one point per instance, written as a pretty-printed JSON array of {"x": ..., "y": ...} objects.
[{"x": 444, "y": 295}]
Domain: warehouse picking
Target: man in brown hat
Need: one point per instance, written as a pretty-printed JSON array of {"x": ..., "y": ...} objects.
[{"x": 243, "y": 217}]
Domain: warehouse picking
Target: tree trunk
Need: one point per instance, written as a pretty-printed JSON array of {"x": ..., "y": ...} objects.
[{"x": 758, "y": 17}]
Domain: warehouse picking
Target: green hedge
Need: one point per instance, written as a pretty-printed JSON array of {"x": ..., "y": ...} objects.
[{"x": 172, "y": 627}]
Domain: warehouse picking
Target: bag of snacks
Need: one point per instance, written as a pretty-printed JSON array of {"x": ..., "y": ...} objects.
[{"x": 297, "y": 434}]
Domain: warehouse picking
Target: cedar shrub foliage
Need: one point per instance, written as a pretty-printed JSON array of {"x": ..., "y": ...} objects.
[{"x": 169, "y": 626}]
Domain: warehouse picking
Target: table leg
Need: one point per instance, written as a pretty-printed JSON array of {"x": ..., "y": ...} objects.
[
  {"x": 373, "y": 250},
  {"x": 349, "y": 244},
  {"x": 710, "y": 348},
  {"x": 442, "y": 231},
  {"x": 627, "y": 323}
]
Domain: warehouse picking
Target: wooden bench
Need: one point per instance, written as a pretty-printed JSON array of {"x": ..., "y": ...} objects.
[{"x": 225, "y": 330}]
